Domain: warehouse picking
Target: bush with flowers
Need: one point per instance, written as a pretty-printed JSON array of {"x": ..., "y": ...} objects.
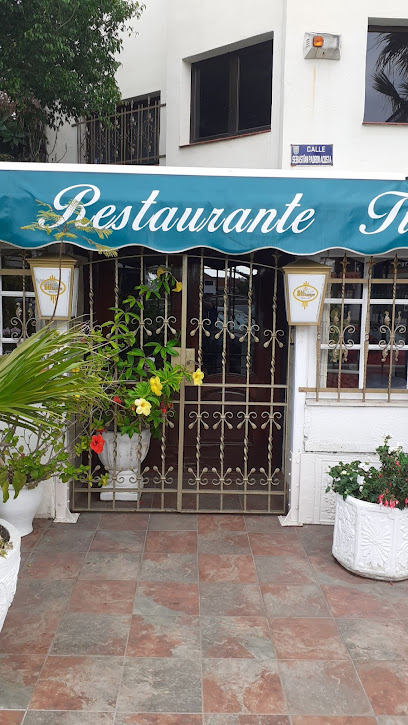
[
  {"x": 140, "y": 382},
  {"x": 386, "y": 484}
]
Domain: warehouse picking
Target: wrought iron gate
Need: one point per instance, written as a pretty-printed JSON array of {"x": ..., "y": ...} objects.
[{"x": 222, "y": 448}]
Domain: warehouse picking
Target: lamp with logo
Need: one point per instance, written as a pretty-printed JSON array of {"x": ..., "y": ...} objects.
[
  {"x": 55, "y": 283},
  {"x": 305, "y": 290}
]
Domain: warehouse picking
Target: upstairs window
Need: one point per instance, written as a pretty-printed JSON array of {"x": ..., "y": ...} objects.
[
  {"x": 386, "y": 98},
  {"x": 232, "y": 93}
]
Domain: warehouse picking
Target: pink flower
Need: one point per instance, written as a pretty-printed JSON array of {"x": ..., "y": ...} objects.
[
  {"x": 406, "y": 501},
  {"x": 397, "y": 463}
]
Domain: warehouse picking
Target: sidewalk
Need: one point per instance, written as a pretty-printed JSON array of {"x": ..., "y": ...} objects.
[{"x": 170, "y": 619}]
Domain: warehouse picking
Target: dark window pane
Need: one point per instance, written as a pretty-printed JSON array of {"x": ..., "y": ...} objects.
[
  {"x": 386, "y": 98},
  {"x": 255, "y": 86},
  {"x": 212, "y": 88}
]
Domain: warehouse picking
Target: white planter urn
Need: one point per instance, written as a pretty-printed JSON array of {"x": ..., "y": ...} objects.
[
  {"x": 9, "y": 566},
  {"x": 20, "y": 511},
  {"x": 371, "y": 540},
  {"x": 128, "y": 451}
]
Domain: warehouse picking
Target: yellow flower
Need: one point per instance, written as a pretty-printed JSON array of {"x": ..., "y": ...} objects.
[
  {"x": 78, "y": 396},
  {"x": 75, "y": 370},
  {"x": 156, "y": 386},
  {"x": 142, "y": 406},
  {"x": 198, "y": 377},
  {"x": 178, "y": 287},
  {"x": 160, "y": 271}
]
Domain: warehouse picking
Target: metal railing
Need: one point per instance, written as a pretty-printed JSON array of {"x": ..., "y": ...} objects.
[{"x": 130, "y": 136}]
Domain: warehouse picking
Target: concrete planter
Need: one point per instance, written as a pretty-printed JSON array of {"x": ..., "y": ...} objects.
[
  {"x": 128, "y": 450},
  {"x": 371, "y": 540},
  {"x": 20, "y": 511},
  {"x": 9, "y": 566}
]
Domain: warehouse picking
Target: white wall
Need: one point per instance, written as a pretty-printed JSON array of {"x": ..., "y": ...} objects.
[{"x": 324, "y": 99}]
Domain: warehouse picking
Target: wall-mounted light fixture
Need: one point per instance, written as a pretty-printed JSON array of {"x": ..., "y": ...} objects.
[
  {"x": 55, "y": 283},
  {"x": 305, "y": 290},
  {"x": 321, "y": 45}
]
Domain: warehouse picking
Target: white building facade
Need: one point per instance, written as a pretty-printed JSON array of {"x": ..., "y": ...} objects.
[{"x": 199, "y": 70}]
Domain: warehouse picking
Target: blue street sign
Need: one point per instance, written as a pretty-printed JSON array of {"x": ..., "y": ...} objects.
[{"x": 311, "y": 155}]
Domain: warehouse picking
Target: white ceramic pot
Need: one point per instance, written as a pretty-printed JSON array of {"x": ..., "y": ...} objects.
[
  {"x": 20, "y": 511},
  {"x": 9, "y": 566},
  {"x": 126, "y": 464},
  {"x": 371, "y": 540}
]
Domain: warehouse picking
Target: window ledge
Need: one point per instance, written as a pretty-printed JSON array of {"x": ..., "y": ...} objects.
[
  {"x": 356, "y": 402},
  {"x": 383, "y": 123},
  {"x": 223, "y": 138}
]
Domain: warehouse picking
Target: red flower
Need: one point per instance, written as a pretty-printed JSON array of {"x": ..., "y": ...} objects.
[
  {"x": 117, "y": 400},
  {"x": 22, "y": 455},
  {"x": 97, "y": 443},
  {"x": 397, "y": 463},
  {"x": 163, "y": 408}
]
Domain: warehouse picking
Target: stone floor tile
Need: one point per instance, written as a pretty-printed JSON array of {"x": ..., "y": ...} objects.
[
  {"x": 389, "y": 720},
  {"x": 316, "y": 539},
  {"x": 171, "y": 542},
  {"x": 101, "y": 565},
  {"x": 223, "y": 542},
  {"x": 310, "y": 639},
  {"x": 53, "y": 566},
  {"x": 162, "y": 636},
  {"x": 350, "y": 720},
  {"x": 294, "y": 600},
  {"x": 329, "y": 571},
  {"x": 91, "y": 634},
  {"x": 168, "y": 685},
  {"x": 41, "y": 595},
  {"x": 155, "y": 719},
  {"x": 29, "y": 542},
  {"x": 78, "y": 683},
  {"x": 285, "y": 569},
  {"x": 134, "y": 521},
  {"x": 242, "y": 686},
  {"x": 169, "y": 567},
  {"x": 229, "y": 599},
  {"x": 374, "y": 639},
  {"x": 220, "y": 522},
  {"x": 28, "y": 633},
  {"x": 236, "y": 637},
  {"x": 45, "y": 717},
  {"x": 87, "y": 520},
  {"x": 166, "y": 599},
  {"x": 396, "y": 594},
  {"x": 102, "y": 597},
  {"x": 11, "y": 717},
  {"x": 246, "y": 720},
  {"x": 349, "y": 602},
  {"x": 275, "y": 544},
  {"x": 386, "y": 684},
  {"x": 263, "y": 524},
  {"x": 323, "y": 688},
  {"x": 65, "y": 540},
  {"x": 125, "y": 542},
  {"x": 18, "y": 677},
  {"x": 173, "y": 522},
  {"x": 227, "y": 568}
]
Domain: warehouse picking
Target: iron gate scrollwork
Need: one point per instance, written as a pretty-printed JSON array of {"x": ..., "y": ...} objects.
[{"x": 223, "y": 446}]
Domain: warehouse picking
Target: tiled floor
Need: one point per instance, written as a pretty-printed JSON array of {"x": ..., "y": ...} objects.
[{"x": 168, "y": 619}]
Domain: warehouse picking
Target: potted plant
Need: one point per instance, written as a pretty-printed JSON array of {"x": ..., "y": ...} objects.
[
  {"x": 371, "y": 521},
  {"x": 140, "y": 384},
  {"x": 10, "y": 541},
  {"x": 42, "y": 383}
]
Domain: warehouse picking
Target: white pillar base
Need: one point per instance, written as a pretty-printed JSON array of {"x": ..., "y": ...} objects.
[{"x": 63, "y": 515}]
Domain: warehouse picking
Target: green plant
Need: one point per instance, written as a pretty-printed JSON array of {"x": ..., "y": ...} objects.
[
  {"x": 5, "y": 543},
  {"x": 386, "y": 484},
  {"x": 140, "y": 380}
]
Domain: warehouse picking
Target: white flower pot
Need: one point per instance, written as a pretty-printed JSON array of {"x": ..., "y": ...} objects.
[
  {"x": 9, "y": 566},
  {"x": 21, "y": 511},
  {"x": 126, "y": 464},
  {"x": 371, "y": 540}
]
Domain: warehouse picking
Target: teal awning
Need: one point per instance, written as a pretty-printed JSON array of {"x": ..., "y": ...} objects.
[{"x": 233, "y": 211}]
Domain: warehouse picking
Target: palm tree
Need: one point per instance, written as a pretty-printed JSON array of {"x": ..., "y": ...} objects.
[
  {"x": 393, "y": 57},
  {"x": 48, "y": 371}
]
